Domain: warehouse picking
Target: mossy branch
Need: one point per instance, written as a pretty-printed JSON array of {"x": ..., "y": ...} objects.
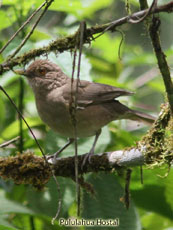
[{"x": 69, "y": 42}]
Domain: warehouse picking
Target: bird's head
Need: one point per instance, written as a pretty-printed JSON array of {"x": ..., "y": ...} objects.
[
  {"x": 43, "y": 75},
  {"x": 38, "y": 68}
]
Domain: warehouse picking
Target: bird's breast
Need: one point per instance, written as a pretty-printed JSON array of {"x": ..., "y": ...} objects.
[{"x": 56, "y": 113}]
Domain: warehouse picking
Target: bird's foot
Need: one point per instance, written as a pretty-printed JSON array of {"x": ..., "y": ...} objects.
[
  {"x": 87, "y": 157},
  {"x": 91, "y": 152},
  {"x": 52, "y": 158}
]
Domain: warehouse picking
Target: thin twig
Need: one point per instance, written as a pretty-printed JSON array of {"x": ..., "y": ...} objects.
[
  {"x": 7, "y": 143},
  {"x": 32, "y": 30},
  {"x": 121, "y": 42},
  {"x": 59, "y": 199},
  {"x": 148, "y": 12},
  {"x": 21, "y": 96},
  {"x": 24, "y": 24},
  {"x": 161, "y": 59},
  {"x": 82, "y": 30},
  {"x": 72, "y": 111},
  {"x": 73, "y": 105},
  {"x": 14, "y": 105},
  {"x": 127, "y": 188}
]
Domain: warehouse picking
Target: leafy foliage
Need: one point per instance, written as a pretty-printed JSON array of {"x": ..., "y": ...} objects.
[{"x": 103, "y": 61}]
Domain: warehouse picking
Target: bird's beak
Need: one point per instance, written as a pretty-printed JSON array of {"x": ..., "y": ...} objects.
[{"x": 20, "y": 72}]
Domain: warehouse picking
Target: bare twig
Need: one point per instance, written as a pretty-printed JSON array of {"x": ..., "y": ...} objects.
[
  {"x": 59, "y": 199},
  {"x": 24, "y": 24},
  {"x": 121, "y": 42},
  {"x": 127, "y": 188},
  {"x": 153, "y": 5},
  {"x": 21, "y": 96},
  {"x": 73, "y": 104},
  {"x": 7, "y": 143},
  {"x": 32, "y": 30},
  {"x": 72, "y": 110},
  {"x": 146, "y": 77},
  {"x": 82, "y": 30}
]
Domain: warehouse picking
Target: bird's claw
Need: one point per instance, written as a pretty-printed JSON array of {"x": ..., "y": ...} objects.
[
  {"x": 87, "y": 157},
  {"x": 52, "y": 158}
]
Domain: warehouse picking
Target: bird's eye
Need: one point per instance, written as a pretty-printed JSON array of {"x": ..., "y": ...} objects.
[{"x": 42, "y": 71}]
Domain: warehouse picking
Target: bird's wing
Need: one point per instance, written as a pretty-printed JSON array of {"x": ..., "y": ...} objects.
[{"x": 95, "y": 93}]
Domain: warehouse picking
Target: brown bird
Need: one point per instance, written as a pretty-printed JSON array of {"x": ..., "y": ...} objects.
[{"x": 95, "y": 106}]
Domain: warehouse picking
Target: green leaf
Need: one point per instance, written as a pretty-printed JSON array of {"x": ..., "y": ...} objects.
[
  {"x": 38, "y": 200},
  {"x": 152, "y": 221},
  {"x": 8, "y": 207},
  {"x": 4, "y": 225},
  {"x": 39, "y": 35},
  {"x": 152, "y": 198},
  {"x": 7, "y": 17},
  {"x": 10, "y": 2},
  {"x": 13, "y": 129},
  {"x": 11, "y": 206},
  {"x": 157, "y": 85},
  {"x": 156, "y": 194},
  {"x": 68, "y": 6},
  {"x": 90, "y": 7},
  {"x": 14, "y": 44},
  {"x": 106, "y": 203},
  {"x": 7, "y": 79},
  {"x": 111, "y": 45}
]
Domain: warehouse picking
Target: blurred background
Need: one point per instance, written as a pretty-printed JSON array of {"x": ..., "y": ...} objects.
[{"x": 131, "y": 66}]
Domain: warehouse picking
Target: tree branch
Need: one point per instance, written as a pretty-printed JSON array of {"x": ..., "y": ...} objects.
[
  {"x": 161, "y": 59},
  {"x": 30, "y": 169},
  {"x": 69, "y": 42},
  {"x": 154, "y": 25},
  {"x": 7, "y": 143}
]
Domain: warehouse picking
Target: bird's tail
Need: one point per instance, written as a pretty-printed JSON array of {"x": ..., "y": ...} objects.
[{"x": 140, "y": 116}]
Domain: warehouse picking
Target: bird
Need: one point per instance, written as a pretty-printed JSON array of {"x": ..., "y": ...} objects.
[{"x": 95, "y": 105}]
